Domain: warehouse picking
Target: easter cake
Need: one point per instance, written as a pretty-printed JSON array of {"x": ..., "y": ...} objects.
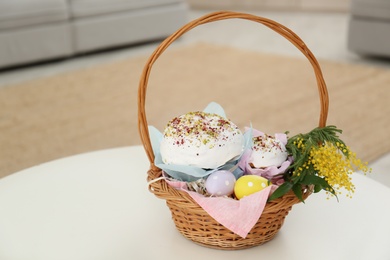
[
  {"x": 267, "y": 151},
  {"x": 201, "y": 139}
]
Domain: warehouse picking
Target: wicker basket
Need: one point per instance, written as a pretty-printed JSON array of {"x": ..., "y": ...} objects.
[{"x": 190, "y": 219}]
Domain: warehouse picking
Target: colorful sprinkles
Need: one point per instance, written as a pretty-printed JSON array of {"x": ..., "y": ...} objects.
[
  {"x": 266, "y": 143},
  {"x": 201, "y": 126}
]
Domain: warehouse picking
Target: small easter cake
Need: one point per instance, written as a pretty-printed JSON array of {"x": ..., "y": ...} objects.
[
  {"x": 267, "y": 151},
  {"x": 201, "y": 139}
]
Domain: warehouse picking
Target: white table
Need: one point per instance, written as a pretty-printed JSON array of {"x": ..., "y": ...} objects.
[{"x": 96, "y": 206}]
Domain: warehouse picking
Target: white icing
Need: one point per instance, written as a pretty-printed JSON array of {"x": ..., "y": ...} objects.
[{"x": 201, "y": 139}]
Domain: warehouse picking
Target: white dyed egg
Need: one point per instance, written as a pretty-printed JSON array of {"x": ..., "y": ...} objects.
[
  {"x": 249, "y": 184},
  {"x": 220, "y": 183}
]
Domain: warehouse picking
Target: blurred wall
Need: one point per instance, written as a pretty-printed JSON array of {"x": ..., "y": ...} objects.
[{"x": 286, "y": 5}]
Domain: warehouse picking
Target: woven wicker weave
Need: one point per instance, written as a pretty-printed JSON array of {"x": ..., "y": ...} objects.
[{"x": 190, "y": 219}]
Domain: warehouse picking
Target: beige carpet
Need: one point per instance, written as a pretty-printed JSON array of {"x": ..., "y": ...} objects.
[{"x": 96, "y": 108}]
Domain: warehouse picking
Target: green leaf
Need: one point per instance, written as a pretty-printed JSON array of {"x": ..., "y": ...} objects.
[
  {"x": 298, "y": 192},
  {"x": 281, "y": 190},
  {"x": 317, "y": 188},
  {"x": 319, "y": 184},
  {"x": 311, "y": 179}
]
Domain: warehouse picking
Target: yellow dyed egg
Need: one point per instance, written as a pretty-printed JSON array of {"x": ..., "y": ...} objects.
[{"x": 249, "y": 184}]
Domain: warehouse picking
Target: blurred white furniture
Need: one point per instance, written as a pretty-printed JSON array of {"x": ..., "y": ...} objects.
[
  {"x": 96, "y": 206},
  {"x": 274, "y": 5},
  {"x": 369, "y": 27},
  {"x": 37, "y": 30},
  {"x": 33, "y": 30}
]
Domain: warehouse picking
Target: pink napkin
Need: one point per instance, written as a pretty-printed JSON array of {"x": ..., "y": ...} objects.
[{"x": 239, "y": 216}]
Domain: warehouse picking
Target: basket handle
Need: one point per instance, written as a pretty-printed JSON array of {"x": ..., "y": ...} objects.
[{"x": 217, "y": 16}]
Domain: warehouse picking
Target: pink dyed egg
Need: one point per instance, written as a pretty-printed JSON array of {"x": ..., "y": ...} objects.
[{"x": 220, "y": 183}]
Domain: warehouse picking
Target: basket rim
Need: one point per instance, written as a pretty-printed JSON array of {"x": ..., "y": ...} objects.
[{"x": 163, "y": 190}]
